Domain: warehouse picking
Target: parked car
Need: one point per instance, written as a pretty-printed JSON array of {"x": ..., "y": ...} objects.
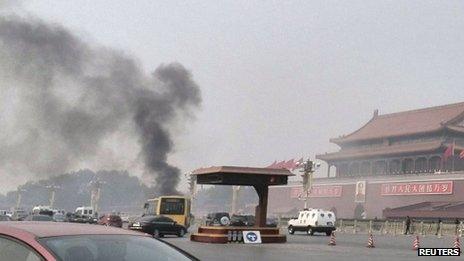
[
  {"x": 110, "y": 220},
  {"x": 158, "y": 226},
  {"x": 85, "y": 215},
  {"x": 19, "y": 214},
  {"x": 242, "y": 220},
  {"x": 34, "y": 241},
  {"x": 43, "y": 210},
  {"x": 313, "y": 220},
  {"x": 76, "y": 218},
  {"x": 38, "y": 218},
  {"x": 272, "y": 222},
  {"x": 218, "y": 219},
  {"x": 58, "y": 217},
  {"x": 5, "y": 218}
]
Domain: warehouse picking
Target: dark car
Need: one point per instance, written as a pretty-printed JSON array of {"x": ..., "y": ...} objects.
[
  {"x": 272, "y": 222},
  {"x": 242, "y": 220},
  {"x": 110, "y": 220},
  {"x": 218, "y": 218},
  {"x": 59, "y": 217},
  {"x": 46, "y": 212},
  {"x": 5, "y": 218},
  {"x": 51, "y": 241},
  {"x": 76, "y": 218},
  {"x": 158, "y": 226},
  {"x": 38, "y": 218}
]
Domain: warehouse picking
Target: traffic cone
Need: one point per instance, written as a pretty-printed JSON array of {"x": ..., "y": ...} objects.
[
  {"x": 332, "y": 241},
  {"x": 457, "y": 243},
  {"x": 416, "y": 244},
  {"x": 370, "y": 241}
]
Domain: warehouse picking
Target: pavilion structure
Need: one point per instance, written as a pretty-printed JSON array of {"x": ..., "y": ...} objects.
[
  {"x": 260, "y": 179},
  {"x": 407, "y": 163},
  {"x": 408, "y": 142}
]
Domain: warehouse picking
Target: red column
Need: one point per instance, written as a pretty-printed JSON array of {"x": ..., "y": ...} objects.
[{"x": 261, "y": 209}]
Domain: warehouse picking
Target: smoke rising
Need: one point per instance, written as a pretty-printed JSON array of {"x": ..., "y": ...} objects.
[{"x": 61, "y": 97}]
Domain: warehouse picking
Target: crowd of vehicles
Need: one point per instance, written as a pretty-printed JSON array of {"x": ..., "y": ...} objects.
[
  {"x": 46, "y": 213},
  {"x": 166, "y": 215},
  {"x": 174, "y": 208},
  {"x": 34, "y": 241}
]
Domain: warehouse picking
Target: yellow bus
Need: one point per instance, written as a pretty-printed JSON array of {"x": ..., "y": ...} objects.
[{"x": 175, "y": 207}]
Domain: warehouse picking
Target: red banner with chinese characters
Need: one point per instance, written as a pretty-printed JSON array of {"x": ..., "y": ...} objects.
[
  {"x": 317, "y": 192},
  {"x": 417, "y": 188}
]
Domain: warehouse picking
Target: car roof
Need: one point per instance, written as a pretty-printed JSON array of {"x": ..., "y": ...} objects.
[{"x": 52, "y": 229}]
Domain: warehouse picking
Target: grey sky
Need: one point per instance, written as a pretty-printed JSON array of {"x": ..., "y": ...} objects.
[{"x": 279, "y": 78}]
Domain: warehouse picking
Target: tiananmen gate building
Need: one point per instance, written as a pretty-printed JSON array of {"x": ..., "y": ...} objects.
[{"x": 405, "y": 163}]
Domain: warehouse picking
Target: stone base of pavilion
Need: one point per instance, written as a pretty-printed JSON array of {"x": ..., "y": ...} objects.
[{"x": 219, "y": 235}]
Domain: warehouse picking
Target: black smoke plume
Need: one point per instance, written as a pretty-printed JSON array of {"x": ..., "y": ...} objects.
[{"x": 62, "y": 97}]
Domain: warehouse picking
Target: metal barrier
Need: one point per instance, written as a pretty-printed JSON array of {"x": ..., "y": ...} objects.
[
  {"x": 398, "y": 227},
  {"x": 392, "y": 227}
]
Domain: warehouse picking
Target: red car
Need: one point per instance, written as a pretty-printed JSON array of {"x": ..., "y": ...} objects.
[
  {"x": 56, "y": 241},
  {"x": 110, "y": 220}
]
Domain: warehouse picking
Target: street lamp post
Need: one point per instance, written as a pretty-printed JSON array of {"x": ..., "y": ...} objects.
[
  {"x": 95, "y": 194},
  {"x": 19, "y": 198},
  {"x": 235, "y": 190},
  {"x": 308, "y": 170},
  {"x": 192, "y": 189},
  {"x": 52, "y": 189}
]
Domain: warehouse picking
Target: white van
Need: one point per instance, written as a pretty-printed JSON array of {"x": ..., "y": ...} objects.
[
  {"x": 38, "y": 209},
  {"x": 313, "y": 220},
  {"x": 85, "y": 212}
]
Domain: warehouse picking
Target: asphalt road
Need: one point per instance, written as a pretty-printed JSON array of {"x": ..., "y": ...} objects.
[{"x": 305, "y": 247}]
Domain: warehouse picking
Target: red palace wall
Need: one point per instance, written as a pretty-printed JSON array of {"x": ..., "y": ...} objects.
[{"x": 282, "y": 198}]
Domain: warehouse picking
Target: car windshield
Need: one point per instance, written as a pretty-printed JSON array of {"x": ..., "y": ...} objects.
[{"x": 111, "y": 248}]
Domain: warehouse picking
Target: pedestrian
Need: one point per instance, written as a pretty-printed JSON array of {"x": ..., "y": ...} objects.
[
  {"x": 408, "y": 225},
  {"x": 438, "y": 226},
  {"x": 456, "y": 222}
]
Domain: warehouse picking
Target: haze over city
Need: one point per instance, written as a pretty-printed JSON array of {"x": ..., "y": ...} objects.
[{"x": 277, "y": 79}]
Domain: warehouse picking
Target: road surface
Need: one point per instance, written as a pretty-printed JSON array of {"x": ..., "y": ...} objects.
[{"x": 305, "y": 247}]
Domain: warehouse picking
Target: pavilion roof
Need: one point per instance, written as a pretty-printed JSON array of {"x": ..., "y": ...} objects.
[
  {"x": 408, "y": 123},
  {"x": 233, "y": 175},
  {"x": 382, "y": 151},
  {"x": 242, "y": 170}
]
